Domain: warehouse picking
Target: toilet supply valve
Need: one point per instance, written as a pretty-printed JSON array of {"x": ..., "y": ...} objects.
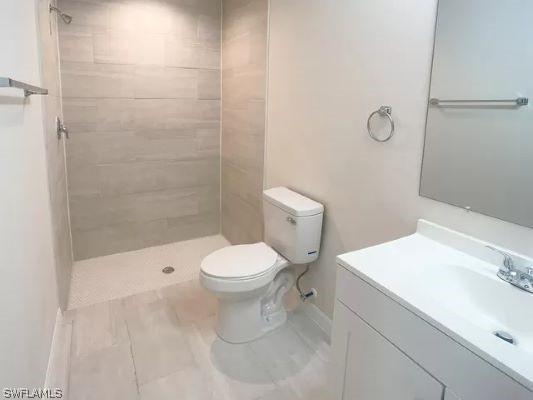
[{"x": 309, "y": 294}]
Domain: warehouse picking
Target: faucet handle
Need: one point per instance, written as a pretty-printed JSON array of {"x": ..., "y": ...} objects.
[{"x": 507, "y": 259}]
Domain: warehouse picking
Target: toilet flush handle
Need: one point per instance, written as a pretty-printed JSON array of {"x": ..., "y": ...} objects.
[{"x": 291, "y": 220}]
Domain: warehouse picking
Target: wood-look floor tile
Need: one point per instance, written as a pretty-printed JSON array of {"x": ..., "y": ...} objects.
[
  {"x": 175, "y": 352},
  {"x": 97, "y": 327},
  {"x": 186, "y": 384},
  {"x": 107, "y": 374},
  {"x": 161, "y": 354}
]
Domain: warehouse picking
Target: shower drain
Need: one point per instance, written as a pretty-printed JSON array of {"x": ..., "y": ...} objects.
[
  {"x": 505, "y": 336},
  {"x": 168, "y": 270}
]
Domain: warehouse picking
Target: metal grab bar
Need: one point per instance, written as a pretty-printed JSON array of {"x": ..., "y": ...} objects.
[
  {"x": 28, "y": 89},
  {"x": 520, "y": 101}
]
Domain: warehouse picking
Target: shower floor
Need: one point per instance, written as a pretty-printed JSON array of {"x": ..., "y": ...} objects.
[{"x": 119, "y": 275}]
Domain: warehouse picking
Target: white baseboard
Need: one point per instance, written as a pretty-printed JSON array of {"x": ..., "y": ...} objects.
[
  {"x": 59, "y": 359},
  {"x": 319, "y": 318}
]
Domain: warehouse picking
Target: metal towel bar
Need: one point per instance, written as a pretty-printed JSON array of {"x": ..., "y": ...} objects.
[
  {"x": 28, "y": 89},
  {"x": 520, "y": 101}
]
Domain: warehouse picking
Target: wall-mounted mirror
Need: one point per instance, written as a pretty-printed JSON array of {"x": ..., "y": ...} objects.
[{"x": 478, "y": 151}]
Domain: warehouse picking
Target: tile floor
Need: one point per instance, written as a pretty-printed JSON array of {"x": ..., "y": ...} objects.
[
  {"x": 119, "y": 275},
  {"x": 161, "y": 344}
]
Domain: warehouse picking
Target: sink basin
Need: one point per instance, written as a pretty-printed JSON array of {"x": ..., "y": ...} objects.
[
  {"x": 482, "y": 299},
  {"x": 450, "y": 280}
]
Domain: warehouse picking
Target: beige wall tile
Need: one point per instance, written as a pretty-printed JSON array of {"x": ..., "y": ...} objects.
[
  {"x": 97, "y": 80},
  {"x": 244, "y": 151},
  {"x": 144, "y": 155},
  {"x": 147, "y": 17},
  {"x": 209, "y": 84},
  {"x": 208, "y": 141},
  {"x": 243, "y": 182},
  {"x": 187, "y": 54},
  {"x": 209, "y": 31},
  {"x": 76, "y": 44},
  {"x": 243, "y": 16},
  {"x": 125, "y": 178},
  {"x": 149, "y": 48},
  {"x": 99, "y": 114},
  {"x": 129, "y": 47},
  {"x": 93, "y": 148},
  {"x": 197, "y": 226},
  {"x": 242, "y": 221},
  {"x": 153, "y": 82},
  {"x": 115, "y": 238},
  {"x": 182, "y": 24},
  {"x": 243, "y": 85},
  {"x": 243, "y": 118},
  {"x": 248, "y": 117},
  {"x": 171, "y": 113},
  {"x": 91, "y": 212},
  {"x": 89, "y": 148},
  {"x": 110, "y": 239},
  {"x": 114, "y": 47}
]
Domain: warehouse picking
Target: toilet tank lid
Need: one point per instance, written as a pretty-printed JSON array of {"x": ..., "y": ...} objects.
[{"x": 292, "y": 202}]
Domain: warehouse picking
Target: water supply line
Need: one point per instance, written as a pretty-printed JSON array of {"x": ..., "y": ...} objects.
[{"x": 310, "y": 293}]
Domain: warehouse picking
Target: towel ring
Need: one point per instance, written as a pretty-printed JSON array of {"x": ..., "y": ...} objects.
[{"x": 383, "y": 111}]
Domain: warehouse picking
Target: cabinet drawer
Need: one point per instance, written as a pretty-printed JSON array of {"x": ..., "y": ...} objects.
[{"x": 468, "y": 375}]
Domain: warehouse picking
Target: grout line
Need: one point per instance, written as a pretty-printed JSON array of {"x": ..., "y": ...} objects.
[
  {"x": 131, "y": 352},
  {"x": 220, "y": 118},
  {"x": 267, "y": 82}
]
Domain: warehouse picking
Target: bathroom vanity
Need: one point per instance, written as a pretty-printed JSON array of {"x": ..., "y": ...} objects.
[{"x": 415, "y": 319}]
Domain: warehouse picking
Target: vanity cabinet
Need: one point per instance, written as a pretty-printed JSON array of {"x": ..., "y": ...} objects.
[
  {"x": 371, "y": 368},
  {"x": 449, "y": 395},
  {"x": 382, "y": 351}
]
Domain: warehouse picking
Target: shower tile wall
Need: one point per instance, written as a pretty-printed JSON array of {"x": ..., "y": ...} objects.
[
  {"x": 55, "y": 150},
  {"x": 141, "y": 89},
  {"x": 244, "y": 40}
]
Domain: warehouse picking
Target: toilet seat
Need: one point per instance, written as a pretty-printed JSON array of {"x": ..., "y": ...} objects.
[{"x": 240, "y": 262}]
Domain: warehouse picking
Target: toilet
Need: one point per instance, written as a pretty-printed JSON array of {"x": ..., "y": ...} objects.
[{"x": 250, "y": 280}]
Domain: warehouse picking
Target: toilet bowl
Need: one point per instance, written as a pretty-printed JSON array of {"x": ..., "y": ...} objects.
[{"x": 250, "y": 280}]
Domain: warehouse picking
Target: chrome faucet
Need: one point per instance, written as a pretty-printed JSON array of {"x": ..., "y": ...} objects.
[{"x": 521, "y": 277}]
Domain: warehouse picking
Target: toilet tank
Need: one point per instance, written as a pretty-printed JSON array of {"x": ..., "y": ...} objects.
[{"x": 293, "y": 224}]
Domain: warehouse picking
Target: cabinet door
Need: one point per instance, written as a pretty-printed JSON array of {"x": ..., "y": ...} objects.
[
  {"x": 449, "y": 395},
  {"x": 368, "y": 367}
]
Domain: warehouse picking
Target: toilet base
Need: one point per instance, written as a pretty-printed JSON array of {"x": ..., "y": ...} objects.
[
  {"x": 249, "y": 316},
  {"x": 237, "y": 323}
]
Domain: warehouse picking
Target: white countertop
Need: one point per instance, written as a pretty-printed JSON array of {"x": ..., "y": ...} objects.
[{"x": 392, "y": 268}]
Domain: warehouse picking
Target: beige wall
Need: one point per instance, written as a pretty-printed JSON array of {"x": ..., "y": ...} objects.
[
  {"x": 55, "y": 149},
  {"x": 28, "y": 298},
  {"x": 330, "y": 65},
  {"x": 244, "y": 37},
  {"x": 141, "y": 88}
]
